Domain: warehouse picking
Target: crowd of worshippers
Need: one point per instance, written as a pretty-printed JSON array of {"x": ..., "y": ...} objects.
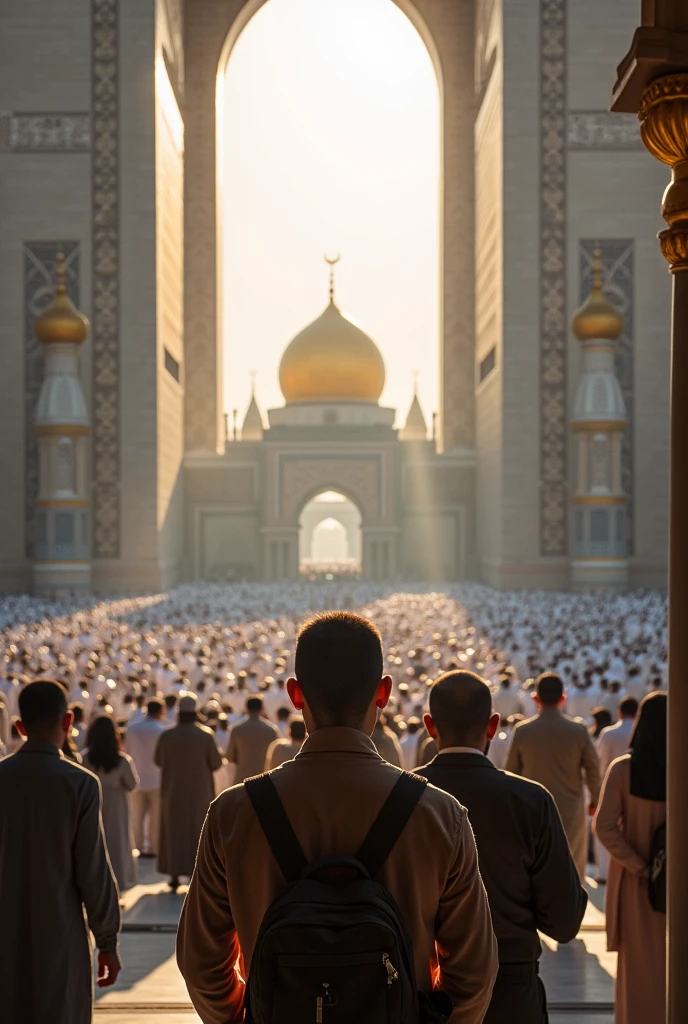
[{"x": 169, "y": 711}]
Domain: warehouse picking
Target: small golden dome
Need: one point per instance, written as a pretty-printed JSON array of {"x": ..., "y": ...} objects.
[
  {"x": 61, "y": 323},
  {"x": 332, "y": 360},
  {"x": 597, "y": 319}
]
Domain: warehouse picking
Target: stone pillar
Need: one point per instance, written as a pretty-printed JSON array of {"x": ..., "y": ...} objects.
[
  {"x": 62, "y": 425},
  {"x": 598, "y": 553},
  {"x": 664, "y": 128}
]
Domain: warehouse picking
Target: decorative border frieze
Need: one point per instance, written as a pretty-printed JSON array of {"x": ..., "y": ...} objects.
[
  {"x": 600, "y": 129},
  {"x": 618, "y": 261},
  {"x": 40, "y": 263},
  {"x": 45, "y": 133},
  {"x": 553, "y": 329},
  {"x": 106, "y": 274}
]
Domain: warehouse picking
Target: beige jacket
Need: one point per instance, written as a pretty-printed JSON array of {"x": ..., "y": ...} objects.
[
  {"x": 332, "y": 792},
  {"x": 558, "y": 753}
]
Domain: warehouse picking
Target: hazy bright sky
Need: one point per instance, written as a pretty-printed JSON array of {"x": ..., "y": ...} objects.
[{"x": 330, "y": 144}]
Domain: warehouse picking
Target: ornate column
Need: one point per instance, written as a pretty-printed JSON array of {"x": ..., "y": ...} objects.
[
  {"x": 599, "y": 552},
  {"x": 664, "y": 127},
  {"x": 62, "y": 426}
]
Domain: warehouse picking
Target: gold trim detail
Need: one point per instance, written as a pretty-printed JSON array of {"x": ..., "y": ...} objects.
[
  {"x": 599, "y": 558},
  {"x": 664, "y": 129},
  {"x": 603, "y": 499},
  {"x": 63, "y": 430}
]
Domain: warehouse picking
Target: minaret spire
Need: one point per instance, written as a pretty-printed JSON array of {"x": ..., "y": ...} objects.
[{"x": 332, "y": 263}]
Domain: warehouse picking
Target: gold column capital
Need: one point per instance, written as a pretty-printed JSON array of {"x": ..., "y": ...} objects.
[{"x": 664, "y": 129}]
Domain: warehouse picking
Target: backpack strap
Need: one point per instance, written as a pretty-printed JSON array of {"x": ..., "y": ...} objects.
[
  {"x": 391, "y": 821},
  {"x": 274, "y": 822}
]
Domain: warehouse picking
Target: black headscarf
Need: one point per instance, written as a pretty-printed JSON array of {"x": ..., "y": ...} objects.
[{"x": 649, "y": 749}]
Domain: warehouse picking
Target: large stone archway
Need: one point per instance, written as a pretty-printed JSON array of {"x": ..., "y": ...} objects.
[{"x": 210, "y": 31}]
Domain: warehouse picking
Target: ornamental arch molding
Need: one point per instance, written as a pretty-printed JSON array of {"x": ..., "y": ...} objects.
[{"x": 211, "y": 29}]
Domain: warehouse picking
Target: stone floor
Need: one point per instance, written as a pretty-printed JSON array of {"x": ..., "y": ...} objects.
[{"x": 579, "y": 977}]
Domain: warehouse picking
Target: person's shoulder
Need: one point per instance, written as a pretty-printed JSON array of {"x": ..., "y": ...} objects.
[
  {"x": 79, "y": 775},
  {"x": 205, "y": 730},
  {"x": 526, "y": 791},
  {"x": 620, "y": 768},
  {"x": 441, "y": 807},
  {"x": 528, "y": 725}
]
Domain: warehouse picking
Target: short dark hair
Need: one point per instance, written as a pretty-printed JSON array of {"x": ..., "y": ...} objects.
[
  {"x": 170, "y": 700},
  {"x": 460, "y": 705},
  {"x": 78, "y": 712},
  {"x": 254, "y": 704},
  {"x": 338, "y": 665},
  {"x": 550, "y": 689},
  {"x": 297, "y": 729},
  {"x": 283, "y": 714},
  {"x": 42, "y": 704},
  {"x": 154, "y": 706},
  {"x": 628, "y": 707}
]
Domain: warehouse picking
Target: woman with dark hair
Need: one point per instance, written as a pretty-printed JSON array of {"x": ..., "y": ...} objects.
[
  {"x": 115, "y": 769},
  {"x": 632, "y": 808},
  {"x": 602, "y": 718}
]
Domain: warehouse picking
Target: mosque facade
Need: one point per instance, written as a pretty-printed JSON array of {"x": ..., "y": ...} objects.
[{"x": 530, "y": 477}]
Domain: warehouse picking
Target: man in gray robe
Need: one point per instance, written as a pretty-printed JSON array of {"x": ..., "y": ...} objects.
[
  {"x": 188, "y": 755},
  {"x": 53, "y": 866}
]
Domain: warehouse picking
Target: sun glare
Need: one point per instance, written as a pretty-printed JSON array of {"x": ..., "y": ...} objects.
[{"x": 330, "y": 143}]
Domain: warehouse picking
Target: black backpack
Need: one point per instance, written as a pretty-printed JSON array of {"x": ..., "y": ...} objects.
[
  {"x": 332, "y": 948},
  {"x": 658, "y": 866}
]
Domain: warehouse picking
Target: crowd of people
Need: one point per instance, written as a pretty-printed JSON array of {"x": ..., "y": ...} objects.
[{"x": 173, "y": 699}]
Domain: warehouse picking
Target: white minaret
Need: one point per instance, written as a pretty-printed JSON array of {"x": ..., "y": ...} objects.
[
  {"x": 599, "y": 557},
  {"x": 62, "y": 562}
]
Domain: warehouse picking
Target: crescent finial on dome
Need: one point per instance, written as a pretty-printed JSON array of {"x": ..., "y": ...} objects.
[
  {"x": 597, "y": 320},
  {"x": 61, "y": 322}
]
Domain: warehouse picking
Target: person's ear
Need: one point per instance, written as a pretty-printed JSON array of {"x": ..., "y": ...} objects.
[
  {"x": 296, "y": 694},
  {"x": 430, "y": 726},
  {"x": 538, "y": 702},
  {"x": 20, "y": 728},
  {"x": 384, "y": 690},
  {"x": 493, "y": 725},
  {"x": 67, "y": 722},
  {"x": 562, "y": 701}
]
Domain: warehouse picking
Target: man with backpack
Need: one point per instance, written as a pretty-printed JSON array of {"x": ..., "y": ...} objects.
[{"x": 344, "y": 890}]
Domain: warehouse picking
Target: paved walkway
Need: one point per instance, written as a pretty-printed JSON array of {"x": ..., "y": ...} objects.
[{"x": 579, "y": 977}]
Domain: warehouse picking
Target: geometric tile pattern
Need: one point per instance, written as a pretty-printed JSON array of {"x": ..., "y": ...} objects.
[
  {"x": 45, "y": 133},
  {"x": 600, "y": 129},
  {"x": 106, "y": 275},
  {"x": 40, "y": 263},
  {"x": 553, "y": 327},
  {"x": 618, "y": 279}
]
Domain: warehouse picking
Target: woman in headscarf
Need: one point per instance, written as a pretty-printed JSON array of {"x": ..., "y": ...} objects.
[
  {"x": 115, "y": 769},
  {"x": 632, "y": 808}
]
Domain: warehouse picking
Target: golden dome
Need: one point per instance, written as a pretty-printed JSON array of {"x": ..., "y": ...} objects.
[
  {"x": 61, "y": 323},
  {"x": 332, "y": 360},
  {"x": 597, "y": 318}
]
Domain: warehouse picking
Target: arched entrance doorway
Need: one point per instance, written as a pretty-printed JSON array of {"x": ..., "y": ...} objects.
[
  {"x": 314, "y": 123},
  {"x": 330, "y": 538},
  {"x": 212, "y": 27}
]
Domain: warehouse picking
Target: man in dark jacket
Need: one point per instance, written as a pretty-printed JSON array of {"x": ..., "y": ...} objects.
[{"x": 531, "y": 879}]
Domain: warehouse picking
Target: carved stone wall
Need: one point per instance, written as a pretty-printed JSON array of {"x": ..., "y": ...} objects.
[
  {"x": 618, "y": 260},
  {"x": 40, "y": 261},
  {"x": 45, "y": 133},
  {"x": 301, "y": 477},
  {"x": 106, "y": 275},
  {"x": 600, "y": 129},
  {"x": 553, "y": 326}
]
